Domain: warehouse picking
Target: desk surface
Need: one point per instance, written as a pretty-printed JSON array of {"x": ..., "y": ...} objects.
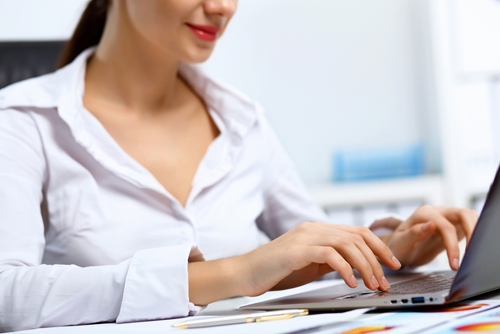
[{"x": 223, "y": 307}]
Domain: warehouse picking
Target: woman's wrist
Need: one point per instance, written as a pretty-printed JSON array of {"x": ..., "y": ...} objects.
[{"x": 210, "y": 281}]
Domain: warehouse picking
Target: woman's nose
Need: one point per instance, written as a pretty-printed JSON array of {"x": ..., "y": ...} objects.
[{"x": 225, "y": 8}]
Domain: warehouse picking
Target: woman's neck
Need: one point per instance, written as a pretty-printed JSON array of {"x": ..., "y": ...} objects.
[{"x": 130, "y": 73}]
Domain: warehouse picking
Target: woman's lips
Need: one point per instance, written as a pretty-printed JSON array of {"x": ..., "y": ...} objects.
[{"x": 206, "y": 33}]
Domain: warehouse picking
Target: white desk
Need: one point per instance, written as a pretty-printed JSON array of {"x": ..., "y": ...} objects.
[{"x": 223, "y": 307}]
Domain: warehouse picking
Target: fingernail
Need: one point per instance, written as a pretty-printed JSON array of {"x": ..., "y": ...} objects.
[
  {"x": 385, "y": 283},
  {"x": 455, "y": 263},
  {"x": 354, "y": 281},
  {"x": 375, "y": 282},
  {"x": 426, "y": 227},
  {"x": 396, "y": 261}
]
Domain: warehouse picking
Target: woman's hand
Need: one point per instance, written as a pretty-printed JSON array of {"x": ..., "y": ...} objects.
[
  {"x": 313, "y": 249},
  {"x": 428, "y": 232},
  {"x": 299, "y": 256}
]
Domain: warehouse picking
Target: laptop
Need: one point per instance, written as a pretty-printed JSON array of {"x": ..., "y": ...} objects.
[{"x": 479, "y": 273}]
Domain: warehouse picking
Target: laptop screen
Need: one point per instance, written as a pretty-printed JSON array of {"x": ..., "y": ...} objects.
[{"x": 480, "y": 268}]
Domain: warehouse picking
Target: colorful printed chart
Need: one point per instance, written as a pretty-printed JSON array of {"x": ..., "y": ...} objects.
[
  {"x": 425, "y": 321},
  {"x": 487, "y": 322}
]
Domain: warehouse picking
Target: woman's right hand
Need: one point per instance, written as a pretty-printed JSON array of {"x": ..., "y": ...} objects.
[
  {"x": 311, "y": 250},
  {"x": 299, "y": 256}
]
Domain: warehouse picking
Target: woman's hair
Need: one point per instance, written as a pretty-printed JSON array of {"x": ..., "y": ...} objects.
[{"x": 88, "y": 32}]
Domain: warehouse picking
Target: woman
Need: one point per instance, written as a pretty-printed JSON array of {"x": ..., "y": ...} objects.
[{"x": 134, "y": 187}]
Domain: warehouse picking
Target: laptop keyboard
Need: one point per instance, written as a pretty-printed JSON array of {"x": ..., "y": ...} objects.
[{"x": 429, "y": 284}]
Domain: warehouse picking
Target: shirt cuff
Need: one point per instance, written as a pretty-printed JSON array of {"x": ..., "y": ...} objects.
[{"x": 156, "y": 286}]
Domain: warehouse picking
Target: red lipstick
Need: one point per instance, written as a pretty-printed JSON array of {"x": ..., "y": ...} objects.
[{"x": 205, "y": 33}]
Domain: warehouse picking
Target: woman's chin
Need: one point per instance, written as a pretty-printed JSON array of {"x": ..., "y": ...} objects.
[{"x": 197, "y": 55}]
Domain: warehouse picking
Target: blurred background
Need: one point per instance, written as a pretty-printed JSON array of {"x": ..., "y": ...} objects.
[{"x": 383, "y": 105}]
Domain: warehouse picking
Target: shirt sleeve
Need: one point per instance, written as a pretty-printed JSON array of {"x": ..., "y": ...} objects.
[
  {"x": 153, "y": 284},
  {"x": 287, "y": 201}
]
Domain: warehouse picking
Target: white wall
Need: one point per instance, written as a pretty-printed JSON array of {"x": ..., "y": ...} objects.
[
  {"x": 39, "y": 19},
  {"x": 466, "y": 46},
  {"x": 332, "y": 74}
]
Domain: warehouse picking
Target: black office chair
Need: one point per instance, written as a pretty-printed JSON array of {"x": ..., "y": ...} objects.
[{"x": 23, "y": 60}]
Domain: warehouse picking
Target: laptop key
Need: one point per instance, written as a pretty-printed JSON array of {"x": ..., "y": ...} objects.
[{"x": 428, "y": 284}]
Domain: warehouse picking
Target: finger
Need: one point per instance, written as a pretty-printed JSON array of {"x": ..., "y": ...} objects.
[
  {"x": 378, "y": 272},
  {"x": 378, "y": 247},
  {"x": 417, "y": 233},
  {"x": 390, "y": 223},
  {"x": 406, "y": 242},
  {"x": 350, "y": 251},
  {"x": 446, "y": 230},
  {"x": 466, "y": 218},
  {"x": 328, "y": 255},
  {"x": 343, "y": 242}
]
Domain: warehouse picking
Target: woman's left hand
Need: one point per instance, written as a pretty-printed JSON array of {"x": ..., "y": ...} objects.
[{"x": 428, "y": 232}]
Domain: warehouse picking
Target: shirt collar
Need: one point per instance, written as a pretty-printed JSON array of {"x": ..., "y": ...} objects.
[
  {"x": 59, "y": 89},
  {"x": 237, "y": 111}
]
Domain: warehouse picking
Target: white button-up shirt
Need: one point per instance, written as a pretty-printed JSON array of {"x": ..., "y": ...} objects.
[{"x": 87, "y": 234}]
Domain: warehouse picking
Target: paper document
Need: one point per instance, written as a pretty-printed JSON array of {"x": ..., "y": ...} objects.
[
  {"x": 414, "y": 322},
  {"x": 485, "y": 322}
]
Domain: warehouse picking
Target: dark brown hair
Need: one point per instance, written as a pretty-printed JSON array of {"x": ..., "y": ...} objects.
[{"x": 88, "y": 32}]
